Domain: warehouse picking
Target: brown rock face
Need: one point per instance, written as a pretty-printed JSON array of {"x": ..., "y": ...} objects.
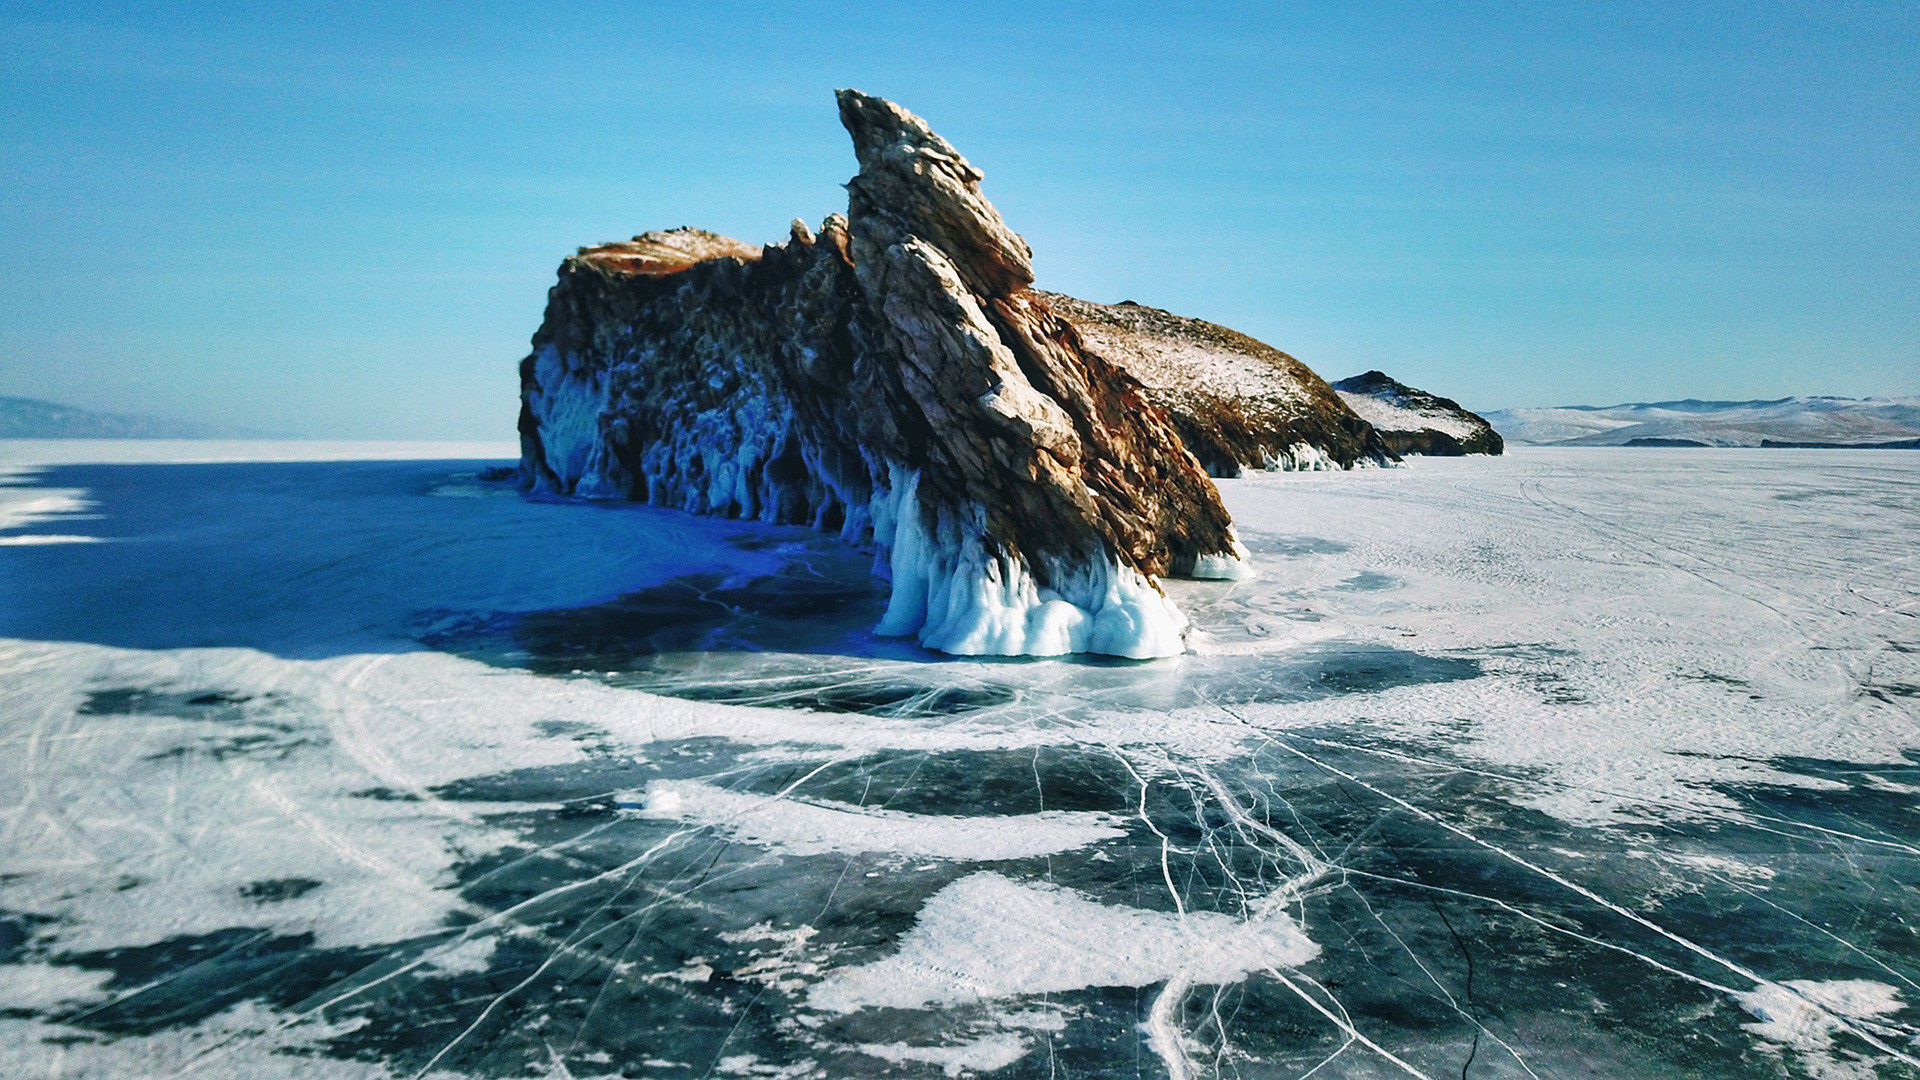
[
  {"x": 1238, "y": 403},
  {"x": 895, "y": 379},
  {"x": 659, "y": 253}
]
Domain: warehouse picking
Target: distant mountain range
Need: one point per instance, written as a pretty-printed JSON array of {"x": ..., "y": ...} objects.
[
  {"x": 31, "y": 418},
  {"x": 1802, "y": 421}
]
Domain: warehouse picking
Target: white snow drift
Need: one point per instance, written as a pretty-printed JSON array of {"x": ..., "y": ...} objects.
[{"x": 987, "y": 936}]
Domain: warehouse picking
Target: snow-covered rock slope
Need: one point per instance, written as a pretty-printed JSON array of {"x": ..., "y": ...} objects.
[
  {"x": 1416, "y": 422},
  {"x": 1794, "y": 420},
  {"x": 1238, "y": 403},
  {"x": 894, "y": 379}
]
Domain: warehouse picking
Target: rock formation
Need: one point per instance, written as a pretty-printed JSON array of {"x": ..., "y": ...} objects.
[
  {"x": 1416, "y": 422},
  {"x": 1237, "y": 403},
  {"x": 895, "y": 379}
]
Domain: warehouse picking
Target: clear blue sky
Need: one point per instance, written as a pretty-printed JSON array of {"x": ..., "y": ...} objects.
[{"x": 343, "y": 220}]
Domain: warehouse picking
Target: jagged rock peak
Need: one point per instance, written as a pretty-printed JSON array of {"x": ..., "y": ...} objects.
[
  {"x": 915, "y": 182},
  {"x": 892, "y": 379}
]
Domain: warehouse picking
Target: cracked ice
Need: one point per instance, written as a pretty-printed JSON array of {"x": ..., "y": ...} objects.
[{"x": 1597, "y": 762}]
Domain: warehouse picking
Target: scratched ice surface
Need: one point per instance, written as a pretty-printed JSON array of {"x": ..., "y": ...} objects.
[{"x": 1573, "y": 763}]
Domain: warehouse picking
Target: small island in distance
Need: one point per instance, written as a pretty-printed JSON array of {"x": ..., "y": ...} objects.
[
  {"x": 1839, "y": 423},
  {"x": 32, "y": 418}
]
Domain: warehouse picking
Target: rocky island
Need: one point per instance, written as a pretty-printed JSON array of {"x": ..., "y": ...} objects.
[
  {"x": 1416, "y": 422},
  {"x": 894, "y": 378}
]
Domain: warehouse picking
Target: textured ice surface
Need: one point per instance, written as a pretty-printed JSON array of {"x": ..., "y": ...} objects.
[{"x": 1566, "y": 763}]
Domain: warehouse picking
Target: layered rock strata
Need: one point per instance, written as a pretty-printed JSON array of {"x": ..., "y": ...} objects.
[
  {"x": 1238, "y": 403},
  {"x": 893, "y": 378},
  {"x": 1416, "y": 422}
]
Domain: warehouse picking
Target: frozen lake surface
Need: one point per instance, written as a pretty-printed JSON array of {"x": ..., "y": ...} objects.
[{"x": 1570, "y": 763}]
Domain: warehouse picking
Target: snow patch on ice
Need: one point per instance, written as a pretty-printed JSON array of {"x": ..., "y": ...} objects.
[
  {"x": 191, "y": 839},
  {"x": 797, "y": 827},
  {"x": 466, "y": 956},
  {"x": 1501, "y": 559},
  {"x": 751, "y": 1065},
  {"x": 663, "y": 801},
  {"x": 23, "y": 507},
  {"x": 1805, "y": 1014},
  {"x": 33, "y": 988},
  {"x": 986, "y": 937},
  {"x": 693, "y": 972},
  {"x": 1044, "y": 1019},
  {"x": 1719, "y": 864},
  {"x": 989, "y": 1053},
  {"x": 245, "y": 1042},
  {"x": 35, "y": 539},
  {"x": 785, "y": 968}
]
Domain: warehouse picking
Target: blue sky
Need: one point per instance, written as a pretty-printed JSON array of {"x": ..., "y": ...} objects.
[{"x": 343, "y": 220}]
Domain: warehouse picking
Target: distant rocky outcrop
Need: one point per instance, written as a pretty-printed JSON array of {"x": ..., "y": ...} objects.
[
  {"x": 893, "y": 378},
  {"x": 1238, "y": 403},
  {"x": 1862, "y": 423},
  {"x": 1788, "y": 444},
  {"x": 31, "y": 418},
  {"x": 1416, "y": 422}
]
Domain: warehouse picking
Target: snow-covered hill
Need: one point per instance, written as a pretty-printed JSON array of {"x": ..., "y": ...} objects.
[
  {"x": 31, "y": 418},
  {"x": 1846, "y": 421},
  {"x": 1237, "y": 402},
  {"x": 1413, "y": 421}
]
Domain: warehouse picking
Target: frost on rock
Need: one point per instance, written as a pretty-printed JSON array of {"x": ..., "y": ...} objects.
[
  {"x": 1416, "y": 422},
  {"x": 1238, "y": 403},
  {"x": 893, "y": 379}
]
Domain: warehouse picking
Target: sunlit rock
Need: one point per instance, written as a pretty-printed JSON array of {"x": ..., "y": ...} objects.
[
  {"x": 1238, "y": 403},
  {"x": 893, "y": 378}
]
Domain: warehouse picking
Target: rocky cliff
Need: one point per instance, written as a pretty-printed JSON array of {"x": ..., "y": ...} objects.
[
  {"x": 1416, "y": 422},
  {"x": 896, "y": 379},
  {"x": 1238, "y": 403}
]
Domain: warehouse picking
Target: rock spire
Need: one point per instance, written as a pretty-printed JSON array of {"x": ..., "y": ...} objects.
[{"x": 893, "y": 378}]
